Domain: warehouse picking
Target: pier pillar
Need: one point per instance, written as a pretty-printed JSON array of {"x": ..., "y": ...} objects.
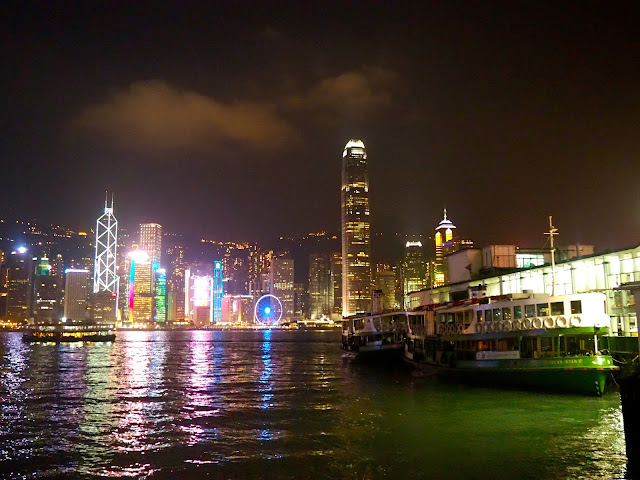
[{"x": 630, "y": 400}]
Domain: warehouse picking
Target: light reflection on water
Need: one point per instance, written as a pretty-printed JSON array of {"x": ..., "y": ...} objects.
[{"x": 283, "y": 405}]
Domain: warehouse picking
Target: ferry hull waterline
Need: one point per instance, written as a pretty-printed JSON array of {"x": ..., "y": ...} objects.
[{"x": 589, "y": 376}]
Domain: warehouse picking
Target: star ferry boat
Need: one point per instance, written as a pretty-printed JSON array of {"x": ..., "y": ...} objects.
[
  {"x": 527, "y": 340},
  {"x": 69, "y": 331}
]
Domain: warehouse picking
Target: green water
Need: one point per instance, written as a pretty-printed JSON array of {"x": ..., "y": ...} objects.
[{"x": 208, "y": 404}]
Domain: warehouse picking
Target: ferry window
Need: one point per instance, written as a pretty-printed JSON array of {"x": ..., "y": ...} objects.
[
  {"x": 459, "y": 317},
  {"x": 479, "y": 316},
  {"x": 557, "y": 308},
  {"x": 451, "y": 317},
  {"x": 576, "y": 307},
  {"x": 529, "y": 311},
  {"x": 545, "y": 344},
  {"x": 517, "y": 311},
  {"x": 506, "y": 313},
  {"x": 543, "y": 309},
  {"x": 497, "y": 314}
]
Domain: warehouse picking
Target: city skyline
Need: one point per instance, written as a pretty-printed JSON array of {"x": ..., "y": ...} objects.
[{"x": 481, "y": 109}]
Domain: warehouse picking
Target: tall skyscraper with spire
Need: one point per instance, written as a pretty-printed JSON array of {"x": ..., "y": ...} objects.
[
  {"x": 356, "y": 230},
  {"x": 443, "y": 239},
  {"x": 105, "y": 279}
]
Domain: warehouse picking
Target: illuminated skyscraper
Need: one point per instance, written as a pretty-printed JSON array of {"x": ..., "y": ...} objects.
[
  {"x": 175, "y": 294},
  {"x": 47, "y": 292},
  {"x": 336, "y": 280},
  {"x": 140, "y": 288},
  {"x": 282, "y": 284},
  {"x": 386, "y": 282},
  {"x": 414, "y": 269},
  {"x": 160, "y": 297},
  {"x": 444, "y": 245},
  {"x": 356, "y": 244},
  {"x": 199, "y": 294},
  {"x": 75, "y": 293},
  {"x": 320, "y": 285},
  {"x": 218, "y": 292},
  {"x": 105, "y": 278},
  {"x": 151, "y": 240},
  {"x": 18, "y": 280}
]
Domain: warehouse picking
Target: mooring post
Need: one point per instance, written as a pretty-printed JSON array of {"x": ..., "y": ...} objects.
[{"x": 630, "y": 399}]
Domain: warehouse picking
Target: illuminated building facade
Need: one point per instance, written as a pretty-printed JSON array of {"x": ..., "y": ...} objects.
[
  {"x": 237, "y": 309},
  {"x": 386, "y": 282},
  {"x": 46, "y": 292},
  {"x": 282, "y": 284},
  {"x": 239, "y": 267},
  {"x": 320, "y": 286},
  {"x": 140, "y": 288},
  {"x": 160, "y": 297},
  {"x": 444, "y": 243},
  {"x": 105, "y": 277},
  {"x": 75, "y": 293},
  {"x": 199, "y": 294},
  {"x": 336, "y": 280},
  {"x": 18, "y": 279},
  {"x": 176, "y": 291},
  {"x": 414, "y": 269},
  {"x": 151, "y": 241},
  {"x": 356, "y": 230},
  {"x": 218, "y": 291}
]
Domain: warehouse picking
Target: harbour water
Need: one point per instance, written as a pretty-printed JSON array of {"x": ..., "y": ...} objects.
[{"x": 279, "y": 404}]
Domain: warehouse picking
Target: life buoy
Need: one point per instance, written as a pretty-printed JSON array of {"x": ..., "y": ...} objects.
[
  {"x": 507, "y": 325},
  {"x": 526, "y": 323},
  {"x": 459, "y": 328},
  {"x": 516, "y": 325},
  {"x": 575, "y": 321},
  {"x": 561, "y": 322},
  {"x": 537, "y": 322},
  {"x": 548, "y": 322},
  {"x": 501, "y": 326}
]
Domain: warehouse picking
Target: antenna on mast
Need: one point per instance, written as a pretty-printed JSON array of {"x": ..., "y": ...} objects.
[
  {"x": 106, "y": 198},
  {"x": 552, "y": 232}
]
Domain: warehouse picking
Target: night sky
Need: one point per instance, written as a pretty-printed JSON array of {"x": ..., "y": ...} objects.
[{"x": 228, "y": 119}]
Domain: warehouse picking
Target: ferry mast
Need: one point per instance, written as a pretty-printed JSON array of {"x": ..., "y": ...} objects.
[{"x": 552, "y": 232}]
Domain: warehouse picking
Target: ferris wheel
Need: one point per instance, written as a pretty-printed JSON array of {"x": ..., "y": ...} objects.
[{"x": 268, "y": 310}]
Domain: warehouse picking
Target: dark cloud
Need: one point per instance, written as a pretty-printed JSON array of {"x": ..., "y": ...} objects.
[
  {"x": 157, "y": 117},
  {"x": 355, "y": 91}
]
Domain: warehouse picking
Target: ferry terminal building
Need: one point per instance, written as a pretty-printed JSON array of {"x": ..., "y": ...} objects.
[{"x": 504, "y": 269}]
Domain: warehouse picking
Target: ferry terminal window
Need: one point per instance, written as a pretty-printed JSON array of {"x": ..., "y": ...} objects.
[
  {"x": 543, "y": 309},
  {"x": 576, "y": 307},
  {"x": 517, "y": 311},
  {"x": 557, "y": 308},
  {"x": 529, "y": 311}
]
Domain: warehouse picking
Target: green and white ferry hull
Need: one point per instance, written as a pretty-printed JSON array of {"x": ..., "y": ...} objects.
[{"x": 583, "y": 375}]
